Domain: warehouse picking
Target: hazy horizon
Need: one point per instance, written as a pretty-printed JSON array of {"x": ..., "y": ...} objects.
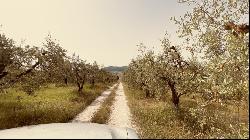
[{"x": 107, "y": 32}]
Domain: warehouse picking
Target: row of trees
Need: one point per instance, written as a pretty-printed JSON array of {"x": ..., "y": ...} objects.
[
  {"x": 32, "y": 67},
  {"x": 218, "y": 67}
]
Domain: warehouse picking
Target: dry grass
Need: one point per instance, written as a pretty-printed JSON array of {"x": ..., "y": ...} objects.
[
  {"x": 48, "y": 105},
  {"x": 103, "y": 114},
  {"x": 157, "y": 119}
]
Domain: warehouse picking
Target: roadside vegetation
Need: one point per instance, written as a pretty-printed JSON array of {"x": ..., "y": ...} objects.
[
  {"x": 102, "y": 116},
  {"x": 156, "y": 119},
  {"x": 204, "y": 95},
  {"x": 50, "y": 104}
]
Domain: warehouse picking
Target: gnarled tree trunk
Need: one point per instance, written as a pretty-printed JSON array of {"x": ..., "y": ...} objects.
[
  {"x": 175, "y": 97},
  {"x": 80, "y": 86},
  {"x": 65, "y": 80}
]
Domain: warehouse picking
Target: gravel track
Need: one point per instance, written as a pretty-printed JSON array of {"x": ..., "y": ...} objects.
[
  {"x": 120, "y": 114},
  {"x": 89, "y": 112}
]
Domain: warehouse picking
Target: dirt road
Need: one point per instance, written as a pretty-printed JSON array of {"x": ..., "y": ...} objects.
[
  {"x": 120, "y": 115},
  {"x": 88, "y": 112}
]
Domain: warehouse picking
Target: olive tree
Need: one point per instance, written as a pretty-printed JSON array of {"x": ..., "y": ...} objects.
[
  {"x": 80, "y": 72},
  {"x": 156, "y": 74},
  {"x": 16, "y": 62},
  {"x": 55, "y": 62},
  {"x": 179, "y": 75},
  {"x": 217, "y": 30},
  {"x": 6, "y": 49}
]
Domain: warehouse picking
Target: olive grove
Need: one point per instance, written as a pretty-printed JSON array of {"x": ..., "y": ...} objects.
[
  {"x": 31, "y": 67},
  {"x": 216, "y": 35}
]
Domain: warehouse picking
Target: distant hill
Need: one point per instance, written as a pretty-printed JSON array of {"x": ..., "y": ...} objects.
[{"x": 115, "y": 69}]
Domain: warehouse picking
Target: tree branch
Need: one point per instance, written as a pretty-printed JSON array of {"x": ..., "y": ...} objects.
[
  {"x": 3, "y": 74},
  {"x": 11, "y": 82}
]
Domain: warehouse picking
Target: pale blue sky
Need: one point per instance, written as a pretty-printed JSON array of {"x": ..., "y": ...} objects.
[{"x": 103, "y": 30}]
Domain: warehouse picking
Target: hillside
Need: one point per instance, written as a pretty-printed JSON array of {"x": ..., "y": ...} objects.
[{"x": 115, "y": 69}]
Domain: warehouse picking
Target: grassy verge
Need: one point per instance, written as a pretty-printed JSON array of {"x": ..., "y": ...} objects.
[
  {"x": 156, "y": 119},
  {"x": 103, "y": 114},
  {"x": 48, "y": 105}
]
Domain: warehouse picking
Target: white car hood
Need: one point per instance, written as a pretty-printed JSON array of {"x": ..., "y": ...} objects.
[{"x": 68, "y": 131}]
